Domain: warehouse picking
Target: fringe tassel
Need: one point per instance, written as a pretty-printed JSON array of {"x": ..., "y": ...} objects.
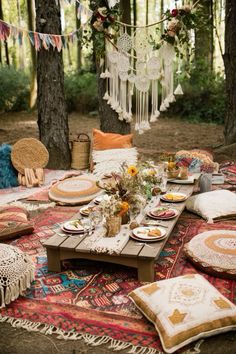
[{"x": 89, "y": 339}]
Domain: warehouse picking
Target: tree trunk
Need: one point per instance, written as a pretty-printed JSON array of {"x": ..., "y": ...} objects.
[
  {"x": 21, "y": 49},
  {"x": 33, "y": 68},
  {"x": 230, "y": 72},
  {"x": 5, "y": 42},
  {"x": 79, "y": 46},
  {"x": 204, "y": 44},
  {"x": 134, "y": 12},
  {"x": 125, "y": 9},
  {"x": 52, "y": 115},
  {"x": 109, "y": 121}
]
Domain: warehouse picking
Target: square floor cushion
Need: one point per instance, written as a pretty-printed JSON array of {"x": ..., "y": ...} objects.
[
  {"x": 105, "y": 141},
  {"x": 184, "y": 309},
  {"x": 214, "y": 205},
  {"x": 13, "y": 222}
]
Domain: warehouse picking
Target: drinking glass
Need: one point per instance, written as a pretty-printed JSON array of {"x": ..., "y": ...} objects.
[
  {"x": 95, "y": 217},
  {"x": 87, "y": 225}
]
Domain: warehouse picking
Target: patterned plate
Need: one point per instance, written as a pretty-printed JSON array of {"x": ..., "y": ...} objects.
[
  {"x": 148, "y": 233},
  {"x": 162, "y": 213},
  {"x": 174, "y": 197}
]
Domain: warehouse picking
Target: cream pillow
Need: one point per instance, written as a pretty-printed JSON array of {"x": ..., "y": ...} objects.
[
  {"x": 184, "y": 309},
  {"x": 213, "y": 205},
  {"x": 107, "y": 161}
]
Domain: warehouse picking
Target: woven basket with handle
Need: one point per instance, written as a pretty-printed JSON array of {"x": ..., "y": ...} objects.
[{"x": 80, "y": 153}]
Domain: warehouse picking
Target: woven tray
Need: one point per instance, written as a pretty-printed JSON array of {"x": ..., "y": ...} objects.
[{"x": 29, "y": 153}]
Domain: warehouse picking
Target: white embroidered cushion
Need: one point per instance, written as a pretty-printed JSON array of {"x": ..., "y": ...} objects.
[
  {"x": 213, "y": 205},
  {"x": 107, "y": 161},
  {"x": 184, "y": 309}
]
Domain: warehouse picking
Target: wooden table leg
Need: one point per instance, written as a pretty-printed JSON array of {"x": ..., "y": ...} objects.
[
  {"x": 54, "y": 263},
  {"x": 146, "y": 270}
]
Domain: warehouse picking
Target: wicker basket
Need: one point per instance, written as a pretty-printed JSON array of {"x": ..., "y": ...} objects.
[{"x": 80, "y": 153}]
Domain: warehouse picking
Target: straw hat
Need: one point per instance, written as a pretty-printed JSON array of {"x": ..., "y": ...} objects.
[{"x": 29, "y": 153}]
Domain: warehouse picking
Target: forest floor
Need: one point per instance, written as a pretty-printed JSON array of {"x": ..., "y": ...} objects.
[{"x": 168, "y": 134}]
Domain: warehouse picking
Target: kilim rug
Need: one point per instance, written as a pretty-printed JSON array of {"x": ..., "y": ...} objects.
[{"x": 89, "y": 300}]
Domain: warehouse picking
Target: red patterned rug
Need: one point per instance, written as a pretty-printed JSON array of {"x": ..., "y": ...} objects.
[{"x": 89, "y": 300}]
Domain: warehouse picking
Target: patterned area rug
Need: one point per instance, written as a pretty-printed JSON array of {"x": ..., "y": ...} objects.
[{"x": 89, "y": 300}]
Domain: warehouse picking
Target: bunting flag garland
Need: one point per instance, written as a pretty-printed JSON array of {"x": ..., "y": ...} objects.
[{"x": 37, "y": 39}]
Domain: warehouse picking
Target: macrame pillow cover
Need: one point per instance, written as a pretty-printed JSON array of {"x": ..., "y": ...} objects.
[
  {"x": 184, "y": 309},
  {"x": 16, "y": 273},
  {"x": 214, "y": 252},
  {"x": 8, "y": 175},
  {"x": 214, "y": 205},
  {"x": 13, "y": 222}
]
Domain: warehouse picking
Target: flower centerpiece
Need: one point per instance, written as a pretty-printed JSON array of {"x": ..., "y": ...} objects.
[
  {"x": 113, "y": 208},
  {"x": 132, "y": 185}
]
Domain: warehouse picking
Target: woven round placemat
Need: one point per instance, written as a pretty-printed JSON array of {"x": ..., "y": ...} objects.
[{"x": 29, "y": 153}]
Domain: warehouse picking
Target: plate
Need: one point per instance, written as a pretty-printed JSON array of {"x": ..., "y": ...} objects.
[
  {"x": 144, "y": 240},
  {"x": 174, "y": 197},
  {"x": 73, "y": 226},
  {"x": 72, "y": 232},
  {"x": 86, "y": 210},
  {"x": 147, "y": 233},
  {"x": 156, "y": 213},
  {"x": 98, "y": 199},
  {"x": 190, "y": 180}
]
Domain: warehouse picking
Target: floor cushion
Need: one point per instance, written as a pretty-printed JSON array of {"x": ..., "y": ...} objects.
[
  {"x": 214, "y": 252},
  {"x": 8, "y": 175},
  {"x": 104, "y": 141},
  {"x": 214, "y": 205},
  {"x": 196, "y": 160},
  {"x": 14, "y": 222},
  {"x": 16, "y": 273},
  {"x": 184, "y": 309},
  {"x": 107, "y": 161}
]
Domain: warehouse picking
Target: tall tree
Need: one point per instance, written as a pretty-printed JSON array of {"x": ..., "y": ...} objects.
[
  {"x": 125, "y": 8},
  {"x": 33, "y": 66},
  {"x": 79, "y": 46},
  {"x": 204, "y": 40},
  {"x": 52, "y": 115},
  {"x": 5, "y": 42},
  {"x": 134, "y": 12},
  {"x": 22, "y": 49},
  {"x": 230, "y": 71},
  {"x": 109, "y": 121}
]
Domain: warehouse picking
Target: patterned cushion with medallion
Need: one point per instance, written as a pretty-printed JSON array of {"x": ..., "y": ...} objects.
[
  {"x": 214, "y": 252},
  {"x": 13, "y": 222},
  {"x": 184, "y": 309}
]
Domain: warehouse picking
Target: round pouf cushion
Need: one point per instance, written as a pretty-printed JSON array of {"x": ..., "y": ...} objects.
[
  {"x": 16, "y": 273},
  {"x": 214, "y": 252},
  {"x": 75, "y": 190}
]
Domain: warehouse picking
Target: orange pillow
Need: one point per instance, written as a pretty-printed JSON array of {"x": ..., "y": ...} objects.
[{"x": 105, "y": 141}]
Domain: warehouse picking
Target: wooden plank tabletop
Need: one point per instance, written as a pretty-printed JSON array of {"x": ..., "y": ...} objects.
[{"x": 133, "y": 249}]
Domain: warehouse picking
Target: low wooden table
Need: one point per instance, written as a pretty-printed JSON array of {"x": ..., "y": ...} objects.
[{"x": 135, "y": 254}]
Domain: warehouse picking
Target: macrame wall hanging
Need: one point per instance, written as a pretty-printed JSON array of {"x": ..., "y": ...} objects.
[{"x": 131, "y": 67}]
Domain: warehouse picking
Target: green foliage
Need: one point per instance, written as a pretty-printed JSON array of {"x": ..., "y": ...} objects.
[
  {"x": 14, "y": 89},
  {"x": 204, "y": 97},
  {"x": 81, "y": 92}
]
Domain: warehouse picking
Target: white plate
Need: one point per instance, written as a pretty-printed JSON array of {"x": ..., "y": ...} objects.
[
  {"x": 142, "y": 233},
  {"x": 73, "y": 226},
  {"x": 144, "y": 240},
  {"x": 86, "y": 210},
  {"x": 151, "y": 213},
  {"x": 98, "y": 199},
  {"x": 182, "y": 197},
  {"x": 72, "y": 232},
  {"x": 190, "y": 180}
]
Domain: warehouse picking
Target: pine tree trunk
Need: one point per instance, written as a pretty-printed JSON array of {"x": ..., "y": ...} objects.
[
  {"x": 21, "y": 50},
  {"x": 79, "y": 46},
  {"x": 109, "y": 121},
  {"x": 204, "y": 44},
  {"x": 33, "y": 68},
  {"x": 230, "y": 72},
  {"x": 134, "y": 12},
  {"x": 52, "y": 115},
  {"x": 125, "y": 9}
]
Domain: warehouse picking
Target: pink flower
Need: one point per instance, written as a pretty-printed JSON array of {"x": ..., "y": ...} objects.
[{"x": 174, "y": 12}]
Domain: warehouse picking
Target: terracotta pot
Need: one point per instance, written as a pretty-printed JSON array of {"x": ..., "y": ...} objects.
[{"x": 113, "y": 225}]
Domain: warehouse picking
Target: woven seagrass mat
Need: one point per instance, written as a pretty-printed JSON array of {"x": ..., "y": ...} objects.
[{"x": 29, "y": 153}]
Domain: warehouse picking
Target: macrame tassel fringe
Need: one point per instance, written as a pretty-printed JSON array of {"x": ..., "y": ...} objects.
[{"x": 178, "y": 90}]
